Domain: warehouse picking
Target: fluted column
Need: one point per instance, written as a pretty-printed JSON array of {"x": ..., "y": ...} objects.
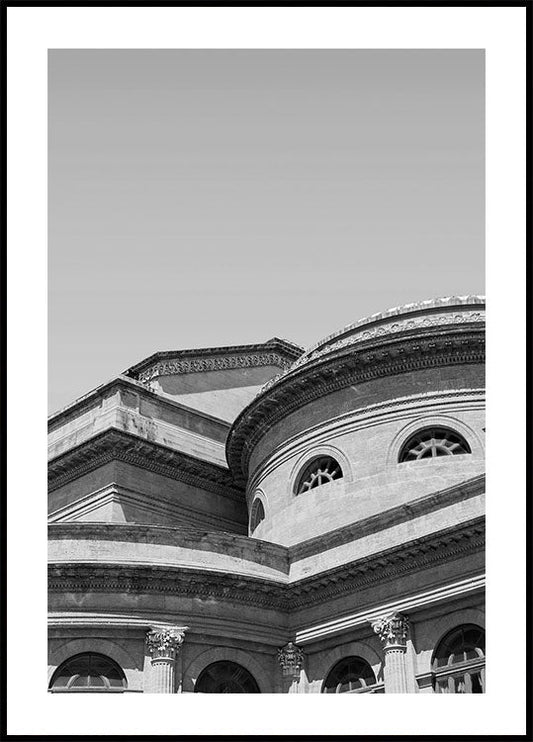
[
  {"x": 164, "y": 646},
  {"x": 290, "y": 658},
  {"x": 393, "y": 631}
]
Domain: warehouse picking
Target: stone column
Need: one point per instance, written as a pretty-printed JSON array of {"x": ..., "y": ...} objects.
[
  {"x": 393, "y": 631},
  {"x": 290, "y": 658},
  {"x": 164, "y": 646}
]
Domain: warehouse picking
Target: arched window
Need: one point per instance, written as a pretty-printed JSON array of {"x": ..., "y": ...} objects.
[
  {"x": 257, "y": 514},
  {"x": 88, "y": 673},
  {"x": 225, "y": 677},
  {"x": 459, "y": 661},
  {"x": 350, "y": 675},
  {"x": 319, "y": 471},
  {"x": 432, "y": 442}
]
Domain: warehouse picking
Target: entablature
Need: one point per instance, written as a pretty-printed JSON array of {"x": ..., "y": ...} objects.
[
  {"x": 117, "y": 445},
  {"x": 239, "y": 584}
]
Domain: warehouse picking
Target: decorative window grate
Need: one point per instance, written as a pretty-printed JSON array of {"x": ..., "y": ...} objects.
[
  {"x": 88, "y": 673},
  {"x": 225, "y": 677},
  {"x": 459, "y": 661},
  {"x": 433, "y": 442},
  {"x": 320, "y": 471}
]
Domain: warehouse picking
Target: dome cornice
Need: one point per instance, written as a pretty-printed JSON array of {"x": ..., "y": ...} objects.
[
  {"x": 449, "y": 305},
  {"x": 441, "y": 336}
]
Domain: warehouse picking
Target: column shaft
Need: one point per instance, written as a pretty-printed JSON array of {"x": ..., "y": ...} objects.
[
  {"x": 395, "y": 671},
  {"x": 163, "y": 675}
]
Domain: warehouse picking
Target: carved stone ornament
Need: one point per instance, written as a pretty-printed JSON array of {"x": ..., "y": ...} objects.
[
  {"x": 394, "y": 326},
  {"x": 290, "y": 658},
  {"x": 164, "y": 643},
  {"x": 196, "y": 365},
  {"x": 392, "y": 630}
]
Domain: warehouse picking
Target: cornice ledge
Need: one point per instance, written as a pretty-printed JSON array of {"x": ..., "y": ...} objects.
[
  {"x": 105, "y": 621},
  {"x": 91, "y": 577},
  {"x": 172, "y": 535},
  {"x": 274, "y": 352},
  {"x": 389, "y": 564},
  {"x": 411, "y": 603},
  {"x": 344, "y": 368},
  {"x": 129, "y": 384},
  {"x": 114, "y": 444}
]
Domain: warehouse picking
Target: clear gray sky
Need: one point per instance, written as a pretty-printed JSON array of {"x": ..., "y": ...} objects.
[{"x": 204, "y": 198}]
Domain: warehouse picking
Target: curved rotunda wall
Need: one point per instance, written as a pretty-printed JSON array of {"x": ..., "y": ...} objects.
[
  {"x": 438, "y": 382},
  {"x": 431, "y": 387},
  {"x": 373, "y": 481}
]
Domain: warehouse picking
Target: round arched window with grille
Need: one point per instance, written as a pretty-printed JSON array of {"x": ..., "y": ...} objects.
[
  {"x": 88, "y": 673},
  {"x": 431, "y": 443},
  {"x": 226, "y": 677},
  {"x": 319, "y": 471},
  {"x": 459, "y": 661},
  {"x": 350, "y": 675}
]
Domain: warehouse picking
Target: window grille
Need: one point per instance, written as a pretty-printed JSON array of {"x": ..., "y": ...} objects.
[
  {"x": 433, "y": 442},
  {"x": 320, "y": 471},
  {"x": 225, "y": 677},
  {"x": 459, "y": 661},
  {"x": 350, "y": 675},
  {"x": 89, "y": 673}
]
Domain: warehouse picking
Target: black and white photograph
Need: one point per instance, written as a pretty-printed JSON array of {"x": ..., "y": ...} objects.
[
  {"x": 265, "y": 279},
  {"x": 282, "y": 495}
]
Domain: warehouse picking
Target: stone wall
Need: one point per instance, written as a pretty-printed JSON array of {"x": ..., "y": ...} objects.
[{"x": 366, "y": 443}]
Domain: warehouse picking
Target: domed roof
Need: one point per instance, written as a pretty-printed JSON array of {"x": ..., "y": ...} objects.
[
  {"x": 427, "y": 307},
  {"x": 422, "y": 314},
  {"x": 437, "y": 332}
]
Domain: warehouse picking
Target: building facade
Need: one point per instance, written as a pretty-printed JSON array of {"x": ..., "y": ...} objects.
[{"x": 263, "y": 519}]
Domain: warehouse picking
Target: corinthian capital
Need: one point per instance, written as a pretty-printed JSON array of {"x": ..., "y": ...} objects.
[
  {"x": 393, "y": 630},
  {"x": 165, "y": 643},
  {"x": 290, "y": 657}
]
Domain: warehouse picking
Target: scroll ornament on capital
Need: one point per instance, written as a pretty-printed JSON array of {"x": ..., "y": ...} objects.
[
  {"x": 393, "y": 630},
  {"x": 164, "y": 643},
  {"x": 290, "y": 658}
]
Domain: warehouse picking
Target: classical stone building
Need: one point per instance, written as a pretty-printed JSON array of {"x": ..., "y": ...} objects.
[{"x": 260, "y": 519}]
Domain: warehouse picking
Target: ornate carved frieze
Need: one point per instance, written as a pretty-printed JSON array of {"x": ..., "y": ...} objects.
[
  {"x": 164, "y": 643},
  {"x": 290, "y": 658},
  {"x": 395, "y": 326},
  {"x": 154, "y": 580},
  {"x": 393, "y": 630},
  {"x": 213, "y": 363},
  {"x": 388, "y": 565}
]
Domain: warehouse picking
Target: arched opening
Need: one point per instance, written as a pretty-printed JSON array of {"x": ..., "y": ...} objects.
[
  {"x": 349, "y": 675},
  {"x": 431, "y": 443},
  {"x": 459, "y": 661},
  {"x": 257, "y": 514},
  {"x": 88, "y": 673},
  {"x": 226, "y": 677}
]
